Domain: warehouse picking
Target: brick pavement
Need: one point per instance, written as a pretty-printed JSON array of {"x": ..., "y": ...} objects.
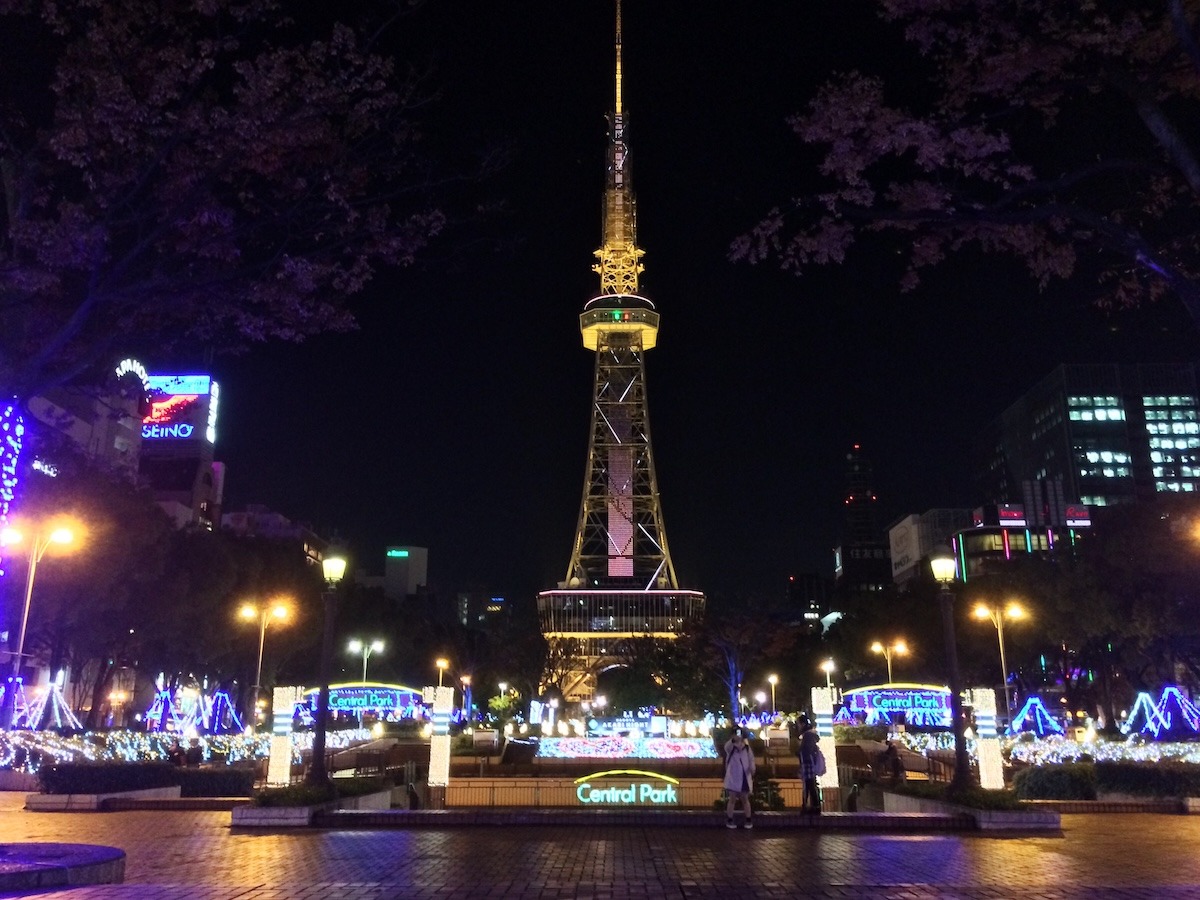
[{"x": 194, "y": 855}]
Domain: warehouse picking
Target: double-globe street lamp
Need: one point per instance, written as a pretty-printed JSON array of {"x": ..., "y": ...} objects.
[
  {"x": 944, "y": 567},
  {"x": 997, "y": 616},
  {"x": 40, "y": 540},
  {"x": 366, "y": 649},
  {"x": 896, "y": 648},
  {"x": 333, "y": 567},
  {"x": 827, "y": 667},
  {"x": 264, "y": 616}
]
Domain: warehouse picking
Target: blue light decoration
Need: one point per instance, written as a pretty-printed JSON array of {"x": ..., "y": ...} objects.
[
  {"x": 162, "y": 708},
  {"x": 390, "y": 702},
  {"x": 623, "y": 747},
  {"x": 12, "y": 434},
  {"x": 20, "y": 707},
  {"x": 1036, "y": 718},
  {"x": 61, "y": 715},
  {"x": 1178, "y": 718},
  {"x": 1144, "y": 718}
]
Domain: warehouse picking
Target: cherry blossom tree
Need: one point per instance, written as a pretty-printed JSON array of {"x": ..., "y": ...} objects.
[
  {"x": 1063, "y": 134},
  {"x": 209, "y": 172}
]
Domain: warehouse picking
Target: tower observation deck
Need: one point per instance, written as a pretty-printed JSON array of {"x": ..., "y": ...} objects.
[{"x": 620, "y": 582}]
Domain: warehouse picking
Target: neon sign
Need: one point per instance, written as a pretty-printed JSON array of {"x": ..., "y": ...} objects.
[
  {"x": 627, "y": 793},
  {"x": 919, "y": 705},
  {"x": 182, "y": 407},
  {"x": 125, "y": 366}
]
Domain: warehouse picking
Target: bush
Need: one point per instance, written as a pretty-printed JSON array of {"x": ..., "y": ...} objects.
[
  {"x": 105, "y": 778},
  {"x": 973, "y": 797},
  {"x": 1162, "y": 779},
  {"x": 311, "y": 795},
  {"x": 1068, "y": 781},
  {"x": 848, "y": 734},
  {"x": 215, "y": 782},
  {"x": 108, "y": 778}
]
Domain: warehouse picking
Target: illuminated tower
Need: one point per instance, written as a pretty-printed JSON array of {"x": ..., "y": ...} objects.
[{"x": 620, "y": 582}]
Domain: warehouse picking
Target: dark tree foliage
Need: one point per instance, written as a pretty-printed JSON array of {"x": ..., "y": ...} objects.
[
  {"x": 202, "y": 171},
  {"x": 1062, "y": 134}
]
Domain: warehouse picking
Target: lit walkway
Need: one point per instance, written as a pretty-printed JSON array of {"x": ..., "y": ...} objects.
[{"x": 195, "y": 855}]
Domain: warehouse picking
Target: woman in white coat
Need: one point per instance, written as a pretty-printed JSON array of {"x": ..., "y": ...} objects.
[{"x": 739, "y": 777}]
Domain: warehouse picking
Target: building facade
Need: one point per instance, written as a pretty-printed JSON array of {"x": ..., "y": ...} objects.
[{"x": 1108, "y": 433}]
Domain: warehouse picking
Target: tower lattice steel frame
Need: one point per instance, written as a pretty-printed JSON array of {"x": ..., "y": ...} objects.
[{"x": 620, "y": 582}]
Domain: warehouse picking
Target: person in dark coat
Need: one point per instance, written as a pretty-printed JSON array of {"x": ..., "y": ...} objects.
[{"x": 811, "y": 798}]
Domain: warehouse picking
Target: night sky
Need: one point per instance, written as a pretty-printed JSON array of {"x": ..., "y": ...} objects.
[{"x": 456, "y": 418}]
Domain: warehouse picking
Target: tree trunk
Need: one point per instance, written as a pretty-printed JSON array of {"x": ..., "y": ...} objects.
[{"x": 104, "y": 673}]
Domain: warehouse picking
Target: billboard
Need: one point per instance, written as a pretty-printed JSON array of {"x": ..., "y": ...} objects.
[{"x": 182, "y": 408}]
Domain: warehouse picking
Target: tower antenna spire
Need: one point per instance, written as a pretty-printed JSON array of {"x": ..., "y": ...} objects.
[{"x": 619, "y": 257}]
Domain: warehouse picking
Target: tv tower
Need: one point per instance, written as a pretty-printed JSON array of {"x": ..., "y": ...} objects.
[{"x": 620, "y": 582}]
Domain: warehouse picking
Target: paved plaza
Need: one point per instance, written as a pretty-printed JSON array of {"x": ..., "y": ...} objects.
[{"x": 181, "y": 855}]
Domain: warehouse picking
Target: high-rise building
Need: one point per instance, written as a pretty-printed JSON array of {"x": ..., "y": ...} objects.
[
  {"x": 1107, "y": 433},
  {"x": 405, "y": 571},
  {"x": 620, "y": 582},
  {"x": 861, "y": 567}
]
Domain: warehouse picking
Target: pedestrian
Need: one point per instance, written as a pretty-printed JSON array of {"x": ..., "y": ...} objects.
[
  {"x": 893, "y": 768},
  {"x": 810, "y": 801},
  {"x": 176, "y": 755},
  {"x": 739, "y": 777}
]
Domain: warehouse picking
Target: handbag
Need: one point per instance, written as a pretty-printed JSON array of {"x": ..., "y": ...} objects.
[{"x": 818, "y": 765}]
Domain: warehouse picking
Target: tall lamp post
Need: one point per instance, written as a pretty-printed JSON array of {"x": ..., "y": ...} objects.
[
  {"x": 442, "y": 665},
  {"x": 264, "y": 616},
  {"x": 827, "y": 667},
  {"x": 40, "y": 543},
  {"x": 773, "y": 680},
  {"x": 896, "y": 648},
  {"x": 333, "y": 567},
  {"x": 997, "y": 616},
  {"x": 942, "y": 562},
  {"x": 357, "y": 646}
]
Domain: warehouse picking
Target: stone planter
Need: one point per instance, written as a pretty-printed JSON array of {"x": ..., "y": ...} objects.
[
  {"x": 17, "y": 781},
  {"x": 302, "y": 816},
  {"x": 93, "y": 802},
  {"x": 985, "y": 819}
]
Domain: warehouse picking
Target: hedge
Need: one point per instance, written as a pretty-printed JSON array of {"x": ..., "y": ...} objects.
[
  {"x": 310, "y": 795},
  {"x": 973, "y": 797},
  {"x": 1161, "y": 779},
  {"x": 109, "y": 778},
  {"x": 1069, "y": 781}
]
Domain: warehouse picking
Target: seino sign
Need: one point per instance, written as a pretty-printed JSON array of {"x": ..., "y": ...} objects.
[{"x": 627, "y": 787}]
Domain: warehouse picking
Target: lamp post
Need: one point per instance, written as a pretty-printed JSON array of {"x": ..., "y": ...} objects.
[
  {"x": 827, "y": 667},
  {"x": 997, "y": 615},
  {"x": 897, "y": 648},
  {"x": 40, "y": 543},
  {"x": 773, "y": 680},
  {"x": 442, "y": 665},
  {"x": 264, "y": 616},
  {"x": 357, "y": 646},
  {"x": 942, "y": 562},
  {"x": 466, "y": 689},
  {"x": 333, "y": 567}
]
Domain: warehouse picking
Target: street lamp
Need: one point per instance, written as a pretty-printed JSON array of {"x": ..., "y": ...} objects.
[
  {"x": 997, "y": 616},
  {"x": 942, "y": 562},
  {"x": 773, "y": 680},
  {"x": 333, "y": 567},
  {"x": 264, "y": 616},
  {"x": 357, "y": 646},
  {"x": 827, "y": 667},
  {"x": 896, "y": 648},
  {"x": 466, "y": 689},
  {"x": 442, "y": 665},
  {"x": 42, "y": 540}
]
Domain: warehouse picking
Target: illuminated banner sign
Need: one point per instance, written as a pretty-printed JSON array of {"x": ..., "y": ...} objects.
[
  {"x": 918, "y": 705},
  {"x": 627, "y": 787},
  {"x": 382, "y": 699},
  {"x": 132, "y": 365},
  {"x": 182, "y": 408}
]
